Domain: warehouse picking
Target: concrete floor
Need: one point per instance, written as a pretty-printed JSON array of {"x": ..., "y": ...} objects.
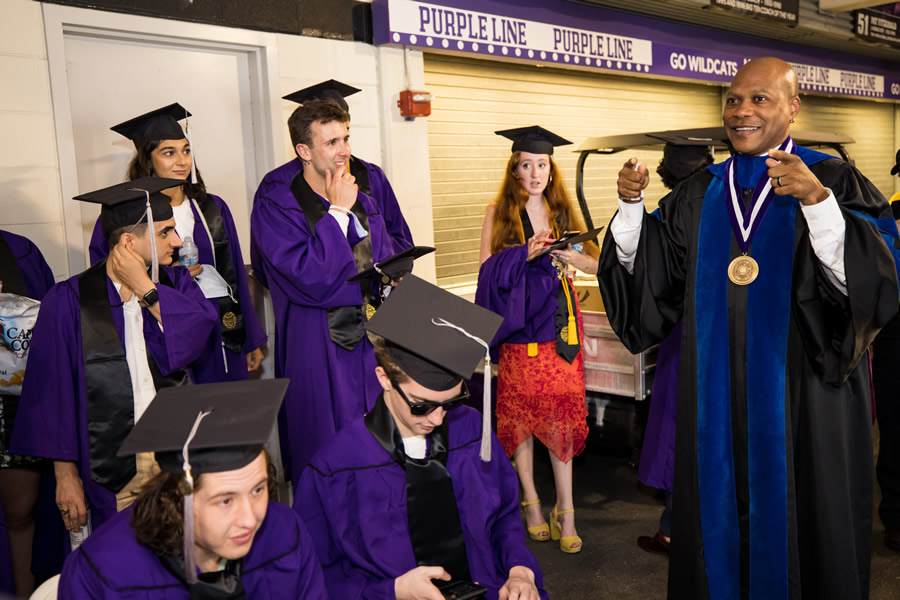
[{"x": 612, "y": 510}]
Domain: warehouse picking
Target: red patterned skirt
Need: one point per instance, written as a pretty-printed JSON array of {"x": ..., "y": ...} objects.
[{"x": 543, "y": 396}]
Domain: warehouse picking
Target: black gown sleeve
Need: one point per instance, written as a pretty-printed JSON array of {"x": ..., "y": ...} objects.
[
  {"x": 644, "y": 306},
  {"x": 836, "y": 329}
]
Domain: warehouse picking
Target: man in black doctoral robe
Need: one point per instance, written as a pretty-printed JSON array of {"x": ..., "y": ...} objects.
[{"x": 774, "y": 442}]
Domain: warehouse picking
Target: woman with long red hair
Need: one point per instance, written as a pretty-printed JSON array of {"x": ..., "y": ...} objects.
[{"x": 540, "y": 386}]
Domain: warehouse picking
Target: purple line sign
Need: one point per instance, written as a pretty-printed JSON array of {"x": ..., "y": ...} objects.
[{"x": 570, "y": 35}]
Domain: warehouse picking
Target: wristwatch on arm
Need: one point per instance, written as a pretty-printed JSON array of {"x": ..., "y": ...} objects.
[{"x": 150, "y": 298}]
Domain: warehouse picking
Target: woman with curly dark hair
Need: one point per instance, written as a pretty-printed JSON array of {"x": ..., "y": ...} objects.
[
  {"x": 204, "y": 527},
  {"x": 540, "y": 382},
  {"x": 163, "y": 150}
]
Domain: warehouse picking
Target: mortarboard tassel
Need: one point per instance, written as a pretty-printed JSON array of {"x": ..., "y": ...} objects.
[
  {"x": 571, "y": 328},
  {"x": 187, "y": 134},
  {"x": 486, "y": 397},
  {"x": 154, "y": 269},
  {"x": 190, "y": 561}
]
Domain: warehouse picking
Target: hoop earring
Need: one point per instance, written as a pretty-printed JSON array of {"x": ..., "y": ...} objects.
[{"x": 792, "y": 120}]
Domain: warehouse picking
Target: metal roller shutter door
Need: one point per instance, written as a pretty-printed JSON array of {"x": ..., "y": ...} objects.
[
  {"x": 871, "y": 124},
  {"x": 474, "y": 98}
]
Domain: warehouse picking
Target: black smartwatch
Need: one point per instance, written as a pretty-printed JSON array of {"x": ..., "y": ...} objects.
[{"x": 151, "y": 298}]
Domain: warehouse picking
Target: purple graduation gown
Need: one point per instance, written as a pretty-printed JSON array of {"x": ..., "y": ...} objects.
[
  {"x": 657, "y": 468},
  {"x": 113, "y": 564},
  {"x": 352, "y": 497},
  {"x": 52, "y": 418},
  {"x": 38, "y": 280},
  {"x": 35, "y": 271},
  {"x": 307, "y": 274},
  {"x": 379, "y": 189},
  {"x": 211, "y": 367},
  {"x": 524, "y": 293}
]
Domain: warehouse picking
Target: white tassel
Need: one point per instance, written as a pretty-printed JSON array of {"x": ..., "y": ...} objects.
[
  {"x": 154, "y": 269},
  {"x": 486, "y": 398},
  {"x": 190, "y": 561},
  {"x": 486, "y": 411},
  {"x": 187, "y": 133}
]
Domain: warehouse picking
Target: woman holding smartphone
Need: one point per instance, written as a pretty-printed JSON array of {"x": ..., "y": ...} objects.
[
  {"x": 540, "y": 384},
  {"x": 163, "y": 150}
]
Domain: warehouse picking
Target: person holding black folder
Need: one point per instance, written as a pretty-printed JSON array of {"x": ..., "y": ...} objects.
[
  {"x": 540, "y": 381},
  {"x": 416, "y": 500}
]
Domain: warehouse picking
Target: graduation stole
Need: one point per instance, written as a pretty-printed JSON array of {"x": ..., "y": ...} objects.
[
  {"x": 358, "y": 170},
  {"x": 568, "y": 338},
  {"x": 431, "y": 511},
  {"x": 231, "y": 317},
  {"x": 218, "y": 585},
  {"x": 10, "y": 273},
  {"x": 107, "y": 380},
  {"x": 345, "y": 323},
  {"x": 766, "y": 322}
]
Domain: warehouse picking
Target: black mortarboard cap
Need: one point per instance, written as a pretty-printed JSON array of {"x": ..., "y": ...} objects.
[
  {"x": 683, "y": 161},
  {"x": 156, "y": 125},
  {"x": 534, "y": 139},
  {"x": 326, "y": 90},
  {"x": 125, "y": 204},
  {"x": 230, "y": 437},
  {"x": 394, "y": 267},
  {"x": 435, "y": 356},
  {"x": 896, "y": 169}
]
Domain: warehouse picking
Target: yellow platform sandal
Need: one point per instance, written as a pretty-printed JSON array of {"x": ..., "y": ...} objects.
[
  {"x": 539, "y": 533},
  {"x": 570, "y": 544}
]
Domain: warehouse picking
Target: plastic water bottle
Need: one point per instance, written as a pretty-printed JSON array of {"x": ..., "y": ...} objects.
[
  {"x": 188, "y": 255},
  {"x": 77, "y": 537}
]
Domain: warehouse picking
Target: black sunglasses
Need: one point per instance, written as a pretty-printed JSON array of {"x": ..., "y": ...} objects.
[{"x": 426, "y": 407}]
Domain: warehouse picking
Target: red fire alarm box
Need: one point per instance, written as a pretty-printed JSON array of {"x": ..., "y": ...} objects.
[{"x": 414, "y": 104}]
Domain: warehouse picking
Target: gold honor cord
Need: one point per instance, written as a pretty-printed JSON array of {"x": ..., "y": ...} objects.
[{"x": 570, "y": 331}]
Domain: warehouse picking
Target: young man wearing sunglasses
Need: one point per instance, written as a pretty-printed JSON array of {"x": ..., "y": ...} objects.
[{"x": 413, "y": 496}]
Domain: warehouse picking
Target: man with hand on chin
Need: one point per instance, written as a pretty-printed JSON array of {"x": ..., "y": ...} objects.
[
  {"x": 105, "y": 342},
  {"x": 774, "y": 262},
  {"x": 311, "y": 238}
]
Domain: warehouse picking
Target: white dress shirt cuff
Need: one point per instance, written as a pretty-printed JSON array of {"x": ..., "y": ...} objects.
[
  {"x": 626, "y": 231},
  {"x": 827, "y": 230}
]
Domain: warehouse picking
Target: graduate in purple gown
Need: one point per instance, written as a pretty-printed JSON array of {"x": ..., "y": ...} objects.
[
  {"x": 163, "y": 150},
  {"x": 370, "y": 178},
  {"x": 235, "y": 543},
  {"x": 312, "y": 237},
  {"x": 24, "y": 272},
  {"x": 88, "y": 368},
  {"x": 419, "y": 494}
]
